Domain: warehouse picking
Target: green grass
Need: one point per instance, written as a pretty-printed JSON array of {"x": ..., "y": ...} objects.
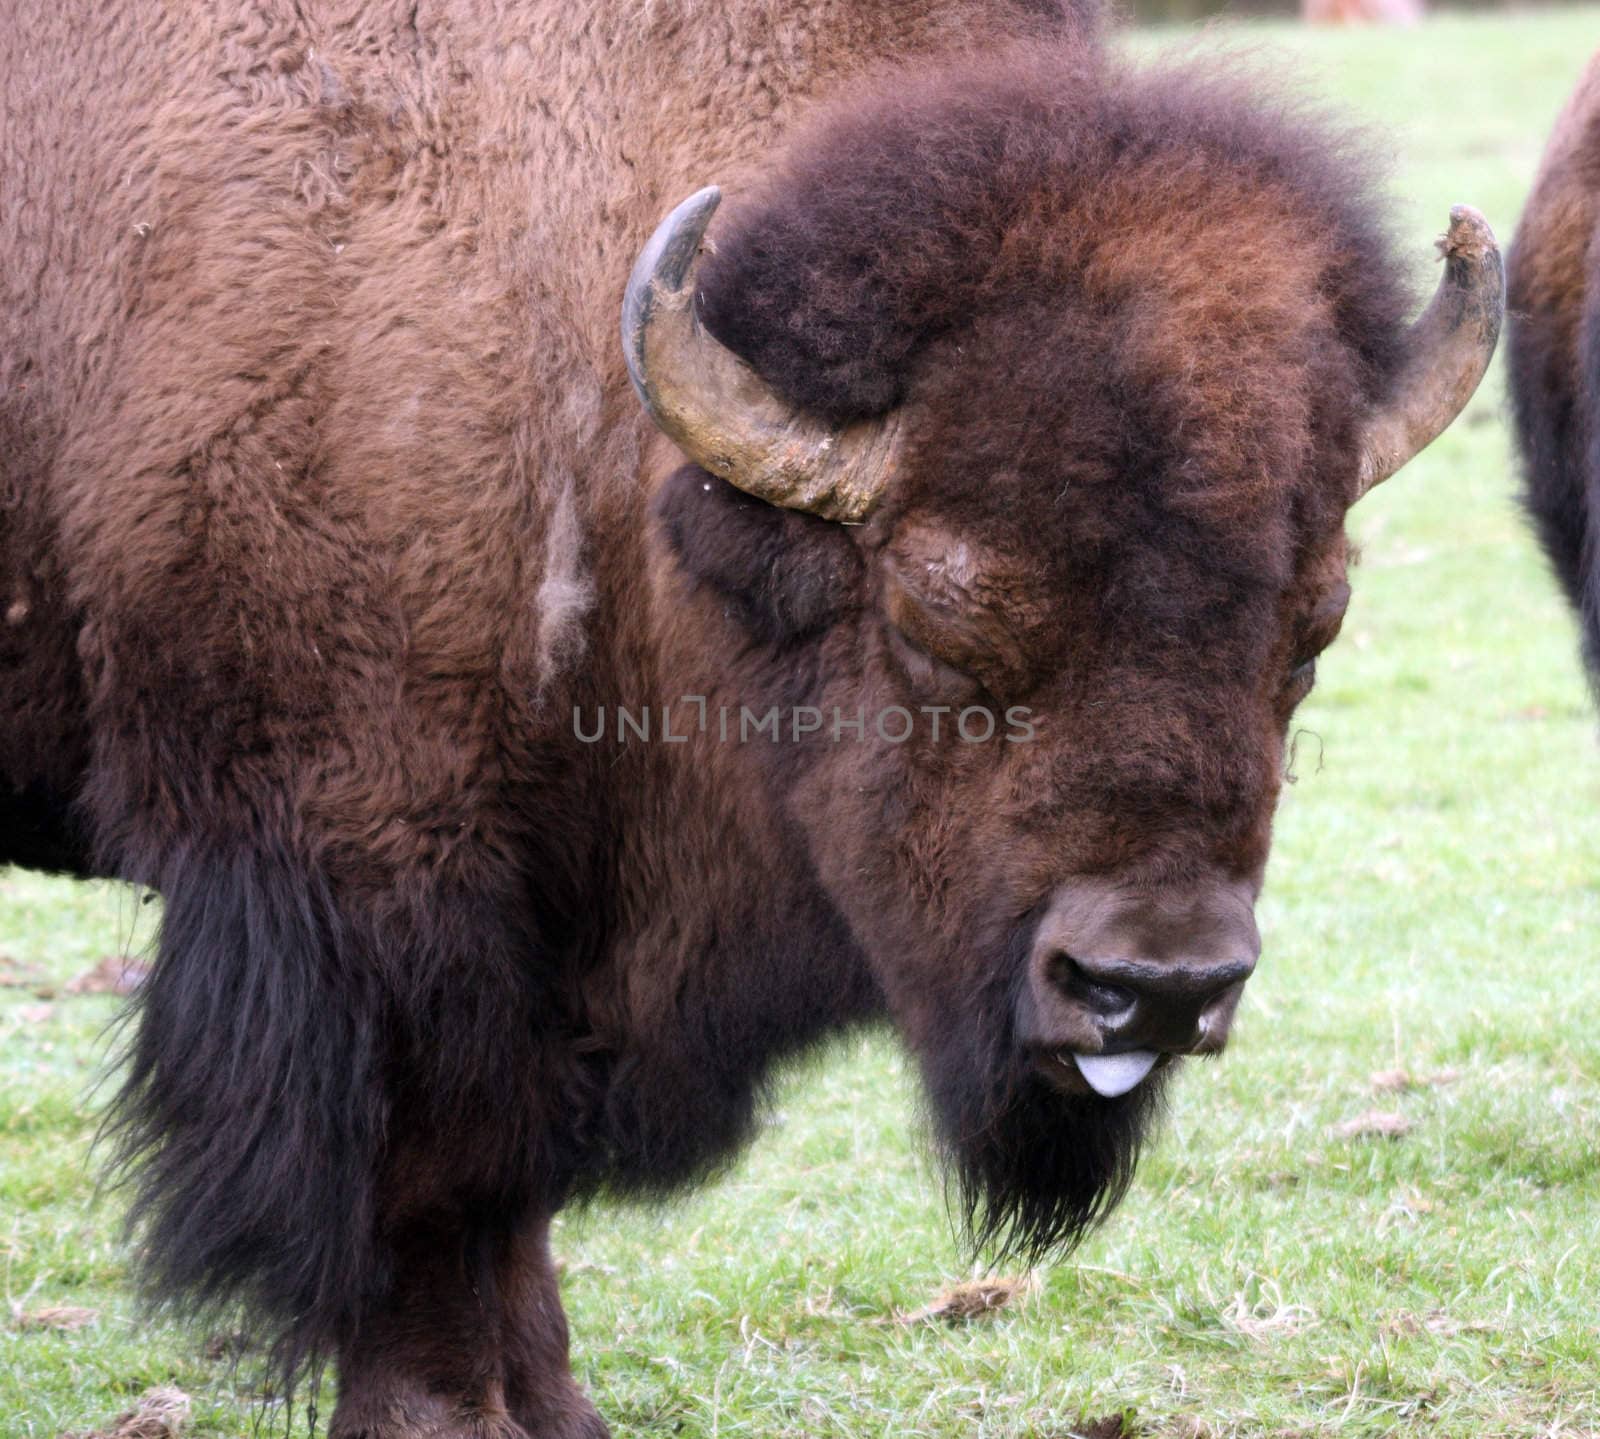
[{"x": 1433, "y": 904}]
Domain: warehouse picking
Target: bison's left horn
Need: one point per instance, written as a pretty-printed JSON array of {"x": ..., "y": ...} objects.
[
  {"x": 1447, "y": 350},
  {"x": 719, "y": 412}
]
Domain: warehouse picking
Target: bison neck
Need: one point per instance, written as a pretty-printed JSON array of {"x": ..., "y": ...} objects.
[{"x": 721, "y": 957}]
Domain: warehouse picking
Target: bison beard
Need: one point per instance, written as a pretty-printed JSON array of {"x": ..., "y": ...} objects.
[
  {"x": 1035, "y": 1169},
  {"x": 1031, "y": 1168}
]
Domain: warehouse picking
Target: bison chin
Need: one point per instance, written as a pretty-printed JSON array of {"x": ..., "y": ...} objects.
[{"x": 1031, "y": 1169}]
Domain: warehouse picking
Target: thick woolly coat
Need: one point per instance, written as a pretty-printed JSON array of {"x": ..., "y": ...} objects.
[
  {"x": 326, "y": 502},
  {"x": 1553, "y": 349}
]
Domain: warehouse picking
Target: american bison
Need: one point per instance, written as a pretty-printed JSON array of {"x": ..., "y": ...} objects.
[
  {"x": 527, "y": 770},
  {"x": 1553, "y": 347}
]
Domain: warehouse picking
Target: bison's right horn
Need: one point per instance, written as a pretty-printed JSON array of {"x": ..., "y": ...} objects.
[
  {"x": 1447, "y": 350},
  {"x": 719, "y": 412}
]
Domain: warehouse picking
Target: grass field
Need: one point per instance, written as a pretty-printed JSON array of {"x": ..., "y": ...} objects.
[{"x": 1433, "y": 908}]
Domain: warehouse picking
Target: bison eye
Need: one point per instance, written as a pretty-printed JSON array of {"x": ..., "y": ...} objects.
[{"x": 928, "y": 673}]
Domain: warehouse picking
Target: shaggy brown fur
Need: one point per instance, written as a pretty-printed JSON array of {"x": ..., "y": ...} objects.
[
  {"x": 326, "y": 503},
  {"x": 1553, "y": 344}
]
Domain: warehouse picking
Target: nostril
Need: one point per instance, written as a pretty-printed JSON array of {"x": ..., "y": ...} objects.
[
  {"x": 1096, "y": 995},
  {"x": 1218, "y": 1010}
]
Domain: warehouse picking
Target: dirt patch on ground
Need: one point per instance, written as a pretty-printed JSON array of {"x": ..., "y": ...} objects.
[
  {"x": 975, "y": 1299},
  {"x": 160, "y": 1413}
]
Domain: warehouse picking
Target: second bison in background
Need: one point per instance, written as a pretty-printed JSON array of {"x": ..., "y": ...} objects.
[{"x": 1553, "y": 344}]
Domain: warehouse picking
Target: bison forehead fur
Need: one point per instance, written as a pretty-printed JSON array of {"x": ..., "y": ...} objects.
[{"x": 325, "y": 504}]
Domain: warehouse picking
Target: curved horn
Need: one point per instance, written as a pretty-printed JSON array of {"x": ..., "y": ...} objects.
[
  {"x": 1447, "y": 350},
  {"x": 719, "y": 412}
]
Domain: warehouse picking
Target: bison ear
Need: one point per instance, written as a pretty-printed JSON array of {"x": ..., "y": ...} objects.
[{"x": 786, "y": 576}]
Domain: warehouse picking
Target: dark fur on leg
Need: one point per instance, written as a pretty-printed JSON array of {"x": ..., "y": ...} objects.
[
  {"x": 429, "y": 1362},
  {"x": 254, "y": 1122},
  {"x": 472, "y": 1343},
  {"x": 540, "y": 1390},
  {"x": 252, "y": 1115}
]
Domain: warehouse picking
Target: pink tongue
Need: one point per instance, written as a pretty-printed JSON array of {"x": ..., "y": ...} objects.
[{"x": 1114, "y": 1074}]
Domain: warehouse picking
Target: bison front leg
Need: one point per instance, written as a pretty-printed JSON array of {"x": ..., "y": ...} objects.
[
  {"x": 471, "y": 1343},
  {"x": 540, "y": 1391}
]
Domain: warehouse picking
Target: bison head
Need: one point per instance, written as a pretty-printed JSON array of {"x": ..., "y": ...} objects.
[{"x": 1028, "y": 405}]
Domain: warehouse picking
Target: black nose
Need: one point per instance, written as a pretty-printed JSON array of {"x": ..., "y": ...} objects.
[
  {"x": 1116, "y": 969},
  {"x": 1150, "y": 1005}
]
